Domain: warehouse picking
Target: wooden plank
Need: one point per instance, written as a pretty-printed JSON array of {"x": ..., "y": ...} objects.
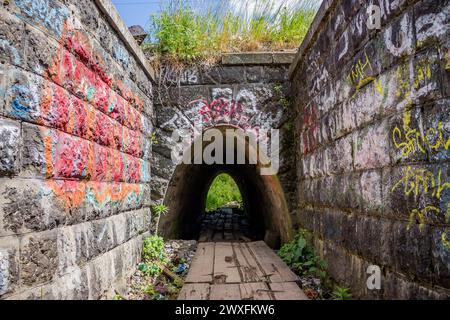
[
  {"x": 248, "y": 268},
  {"x": 228, "y": 236},
  {"x": 206, "y": 235},
  {"x": 274, "y": 268},
  {"x": 287, "y": 291},
  {"x": 201, "y": 269},
  {"x": 254, "y": 291},
  {"x": 194, "y": 291},
  {"x": 225, "y": 266},
  {"x": 228, "y": 291}
]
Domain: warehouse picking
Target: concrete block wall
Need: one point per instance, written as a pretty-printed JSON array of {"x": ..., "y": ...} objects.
[
  {"x": 373, "y": 137},
  {"x": 75, "y": 120}
]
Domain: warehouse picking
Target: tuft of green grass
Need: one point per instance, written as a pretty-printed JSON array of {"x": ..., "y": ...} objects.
[
  {"x": 160, "y": 209},
  {"x": 341, "y": 293},
  {"x": 223, "y": 190},
  {"x": 181, "y": 33}
]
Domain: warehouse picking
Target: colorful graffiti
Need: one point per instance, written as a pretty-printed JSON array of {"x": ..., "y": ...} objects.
[
  {"x": 93, "y": 135},
  {"x": 223, "y": 109}
]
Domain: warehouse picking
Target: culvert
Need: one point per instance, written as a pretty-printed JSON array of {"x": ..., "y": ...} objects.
[{"x": 263, "y": 199}]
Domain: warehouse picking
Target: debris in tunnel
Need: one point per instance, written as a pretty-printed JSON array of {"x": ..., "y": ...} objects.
[{"x": 226, "y": 224}]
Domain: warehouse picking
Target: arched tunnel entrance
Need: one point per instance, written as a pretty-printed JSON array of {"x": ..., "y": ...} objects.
[{"x": 263, "y": 199}]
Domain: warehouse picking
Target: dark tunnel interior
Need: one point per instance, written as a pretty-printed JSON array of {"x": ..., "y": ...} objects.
[{"x": 263, "y": 199}]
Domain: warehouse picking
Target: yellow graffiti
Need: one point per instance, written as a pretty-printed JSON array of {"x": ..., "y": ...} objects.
[
  {"x": 447, "y": 66},
  {"x": 445, "y": 241},
  {"x": 358, "y": 75},
  {"x": 415, "y": 180},
  {"x": 423, "y": 73},
  {"x": 420, "y": 216},
  {"x": 412, "y": 141}
]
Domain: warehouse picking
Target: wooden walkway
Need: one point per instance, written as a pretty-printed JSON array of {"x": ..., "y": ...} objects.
[{"x": 239, "y": 271}]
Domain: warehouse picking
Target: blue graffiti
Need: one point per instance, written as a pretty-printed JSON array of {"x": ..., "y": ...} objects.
[
  {"x": 122, "y": 55},
  {"x": 21, "y": 105},
  {"x": 48, "y": 12},
  {"x": 145, "y": 171}
]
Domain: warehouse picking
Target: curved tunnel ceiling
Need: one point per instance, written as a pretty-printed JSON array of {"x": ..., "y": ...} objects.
[{"x": 263, "y": 197}]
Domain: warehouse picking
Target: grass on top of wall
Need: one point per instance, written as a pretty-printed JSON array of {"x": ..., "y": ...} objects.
[
  {"x": 223, "y": 191},
  {"x": 183, "y": 34}
]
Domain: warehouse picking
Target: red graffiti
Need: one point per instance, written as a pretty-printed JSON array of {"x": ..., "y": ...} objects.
[
  {"x": 223, "y": 111},
  {"x": 311, "y": 129},
  {"x": 100, "y": 130}
]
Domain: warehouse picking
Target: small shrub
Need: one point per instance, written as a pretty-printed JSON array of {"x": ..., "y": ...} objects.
[
  {"x": 301, "y": 258},
  {"x": 154, "y": 249},
  {"x": 341, "y": 293}
]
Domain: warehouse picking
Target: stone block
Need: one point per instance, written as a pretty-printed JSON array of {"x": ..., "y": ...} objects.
[
  {"x": 42, "y": 52},
  {"x": 436, "y": 130},
  {"x": 340, "y": 155},
  {"x": 9, "y": 265},
  {"x": 412, "y": 250},
  {"x": 406, "y": 135},
  {"x": 23, "y": 96},
  {"x": 28, "y": 205},
  {"x": 284, "y": 57},
  {"x": 185, "y": 96},
  {"x": 48, "y": 15},
  {"x": 440, "y": 249},
  {"x": 9, "y": 147},
  {"x": 371, "y": 147},
  {"x": 12, "y": 39},
  {"x": 247, "y": 58},
  {"x": 398, "y": 40},
  {"x": 432, "y": 22},
  {"x": 371, "y": 194},
  {"x": 38, "y": 258}
]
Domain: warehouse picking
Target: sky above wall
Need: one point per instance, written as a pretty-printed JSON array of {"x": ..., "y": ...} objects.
[{"x": 138, "y": 12}]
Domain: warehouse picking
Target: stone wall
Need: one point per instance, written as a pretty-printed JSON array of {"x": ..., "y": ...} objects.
[
  {"x": 248, "y": 91},
  {"x": 373, "y": 137},
  {"x": 75, "y": 117}
]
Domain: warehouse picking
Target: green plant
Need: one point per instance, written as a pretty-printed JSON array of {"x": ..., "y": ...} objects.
[
  {"x": 278, "y": 89},
  {"x": 299, "y": 255},
  {"x": 160, "y": 209},
  {"x": 149, "y": 290},
  {"x": 341, "y": 293},
  {"x": 154, "y": 139},
  {"x": 118, "y": 297},
  {"x": 150, "y": 268},
  {"x": 154, "y": 249},
  {"x": 283, "y": 102},
  {"x": 223, "y": 190}
]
